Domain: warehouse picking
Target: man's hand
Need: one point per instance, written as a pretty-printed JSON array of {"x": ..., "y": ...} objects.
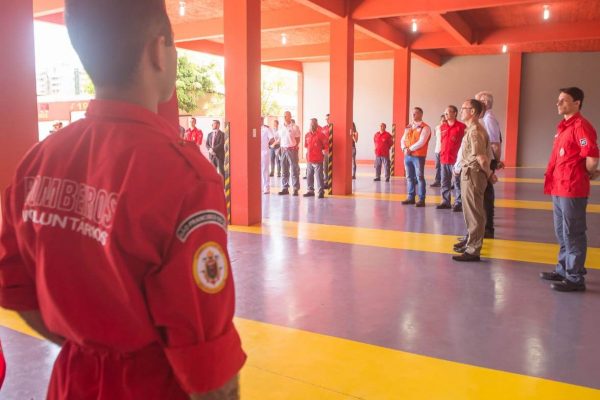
[
  {"x": 500, "y": 165},
  {"x": 595, "y": 174},
  {"x": 493, "y": 178},
  {"x": 229, "y": 391}
]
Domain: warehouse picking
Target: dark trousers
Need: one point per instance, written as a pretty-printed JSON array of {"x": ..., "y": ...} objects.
[
  {"x": 219, "y": 164},
  {"x": 570, "y": 226},
  {"x": 488, "y": 203}
]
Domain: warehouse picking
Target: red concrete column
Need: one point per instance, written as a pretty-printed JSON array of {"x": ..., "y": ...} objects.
[
  {"x": 401, "y": 102},
  {"x": 18, "y": 101},
  {"x": 512, "y": 109},
  {"x": 341, "y": 102},
  {"x": 242, "y": 107}
]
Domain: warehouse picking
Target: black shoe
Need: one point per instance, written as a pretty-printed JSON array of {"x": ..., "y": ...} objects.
[
  {"x": 271, "y": 174},
  {"x": 568, "y": 286},
  {"x": 279, "y": 175},
  {"x": 435, "y": 185},
  {"x": 488, "y": 235},
  {"x": 457, "y": 208},
  {"x": 420, "y": 203},
  {"x": 408, "y": 201},
  {"x": 309, "y": 194},
  {"x": 459, "y": 249},
  {"x": 443, "y": 206},
  {"x": 353, "y": 176},
  {"x": 321, "y": 195},
  {"x": 387, "y": 179},
  {"x": 304, "y": 177},
  {"x": 377, "y": 179},
  {"x": 284, "y": 191},
  {"x": 459, "y": 244},
  {"x": 551, "y": 276},
  {"x": 466, "y": 257},
  {"x": 295, "y": 193}
]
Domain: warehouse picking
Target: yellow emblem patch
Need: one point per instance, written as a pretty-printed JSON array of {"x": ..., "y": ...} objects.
[{"x": 210, "y": 267}]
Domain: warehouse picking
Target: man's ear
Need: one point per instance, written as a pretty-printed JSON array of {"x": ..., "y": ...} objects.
[{"x": 157, "y": 53}]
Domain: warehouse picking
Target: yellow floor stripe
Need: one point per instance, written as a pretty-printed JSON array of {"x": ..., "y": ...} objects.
[
  {"x": 533, "y": 252},
  {"x": 430, "y": 178},
  {"x": 291, "y": 364}
]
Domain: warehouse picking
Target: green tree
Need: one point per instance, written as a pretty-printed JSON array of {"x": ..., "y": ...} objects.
[
  {"x": 268, "y": 104},
  {"x": 193, "y": 82}
]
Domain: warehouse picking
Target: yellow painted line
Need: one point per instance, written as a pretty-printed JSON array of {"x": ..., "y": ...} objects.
[
  {"x": 291, "y": 364},
  {"x": 434, "y": 200},
  {"x": 533, "y": 252}
]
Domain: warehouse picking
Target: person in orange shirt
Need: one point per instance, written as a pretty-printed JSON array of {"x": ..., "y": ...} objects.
[
  {"x": 383, "y": 142},
  {"x": 414, "y": 146}
]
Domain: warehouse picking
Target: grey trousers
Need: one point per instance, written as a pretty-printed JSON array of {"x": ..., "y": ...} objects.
[
  {"x": 379, "y": 161},
  {"x": 325, "y": 168},
  {"x": 473, "y": 185},
  {"x": 289, "y": 160},
  {"x": 312, "y": 170},
  {"x": 447, "y": 178},
  {"x": 570, "y": 226}
]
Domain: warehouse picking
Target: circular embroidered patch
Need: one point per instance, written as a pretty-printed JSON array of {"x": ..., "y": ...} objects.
[{"x": 210, "y": 267}]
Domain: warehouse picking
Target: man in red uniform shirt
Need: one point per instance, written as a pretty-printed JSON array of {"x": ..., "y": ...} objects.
[
  {"x": 193, "y": 134},
  {"x": 114, "y": 236},
  {"x": 452, "y": 134},
  {"x": 316, "y": 144},
  {"x": 573, "y": 162},
  {"x": 383, "y": 142}
]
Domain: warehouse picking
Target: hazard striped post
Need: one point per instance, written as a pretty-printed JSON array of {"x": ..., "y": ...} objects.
[
  {"x": 227, "y": 177},
  {"x": 330, "y": 161},
  {"x": 393, "y": 152}
]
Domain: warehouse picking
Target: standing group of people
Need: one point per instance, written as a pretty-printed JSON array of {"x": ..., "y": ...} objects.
[{"x": 215, "y": 142}]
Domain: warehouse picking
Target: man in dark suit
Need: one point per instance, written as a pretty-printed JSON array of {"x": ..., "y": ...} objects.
[{"x": 215, "y": 144}]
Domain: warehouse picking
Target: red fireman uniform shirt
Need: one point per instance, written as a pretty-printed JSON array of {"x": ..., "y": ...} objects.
[
  {"x": 383, "y": 142},
  {"x": 315, "y": 143},
  {"x": 452, "y": 136},
  {"x": 566, "y": 174},
  {"x": 116, "y": 230},
  {"x": 194, "y": 135}
]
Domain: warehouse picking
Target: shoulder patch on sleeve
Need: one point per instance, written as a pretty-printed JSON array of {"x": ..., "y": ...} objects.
[
  {"x": 198, "y": 219},
  {"x": 210, "y": 268},
  {"x": 583, "y": 142}
]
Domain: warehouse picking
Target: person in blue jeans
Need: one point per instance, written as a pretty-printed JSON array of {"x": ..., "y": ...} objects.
[{"x": 414, "y": 146}]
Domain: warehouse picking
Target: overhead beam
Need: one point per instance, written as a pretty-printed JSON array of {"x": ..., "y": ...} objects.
[
  {"x": 543, "y": 33},
  {"x": 434, "y": 40},
  {"x": 288, "y": 65},
  {"x": 204, "y": 46},
  {"x": 55, "y": 18},
  {"x": 45, "y": 7},
  {"x": 456, "y": 26},
  {"x": 383, "y": 31},
  {"x": 288, "y": 18},
  {"x": 369, "y": 9},
  {"x": 330, "y": 8},
  {"x": 430, "y": 57}
]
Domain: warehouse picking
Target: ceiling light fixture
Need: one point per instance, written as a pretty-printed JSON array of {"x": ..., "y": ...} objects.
[
  {"x": 414, "y": 25},
  {"x": 546, "y": 12},
  {"x": 182, "y": 8},
  {"x": 504, "y": 48},
  {"x": 283, "y": 39}
]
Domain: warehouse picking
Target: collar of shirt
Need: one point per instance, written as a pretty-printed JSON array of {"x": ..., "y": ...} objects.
[
  {"x": 568, "y": 122},
  {"x": 417, "y": 124},
  {"x": 120, "y": 110}
]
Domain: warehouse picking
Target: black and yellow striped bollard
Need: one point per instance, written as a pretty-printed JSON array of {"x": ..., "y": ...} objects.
[{"x": 227, "y": 168}]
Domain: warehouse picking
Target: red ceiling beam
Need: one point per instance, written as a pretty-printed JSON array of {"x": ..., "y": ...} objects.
[
  {"x": 330, "y": 8},
  {"x": 289, "y": 65},
  {"x": 430, "y": 57},
  {"x": 382, "y": 31},
  {"x": 434, "y": 40},
  {"x": 204, "y": 46},
  {"x": 318, "y": 50},
  {"x": 543, "y": 33},
  {"x": 45, "y": 7},
  {"x": 288, "y": 18},
  {"x": 456, "y": 26},
  {"x": 369, "y": 9}
]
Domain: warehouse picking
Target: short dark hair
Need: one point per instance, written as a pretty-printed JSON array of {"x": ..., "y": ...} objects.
[
  {"x": 110, "y": 35},
  {"x": 575, "y": 93},
  {"x": 454, "y": 108},
  {"x": 420, "y": 109},
  {"x": 193, "y": 119},
  {"x": 477, "y": 106},
  {"x": 217, "y": 121}
]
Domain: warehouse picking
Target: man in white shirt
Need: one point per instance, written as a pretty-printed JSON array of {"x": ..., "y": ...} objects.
[{"x": 289, "y": 138}]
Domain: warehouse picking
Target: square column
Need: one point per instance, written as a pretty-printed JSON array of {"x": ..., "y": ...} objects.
[
  {"x": 401, "y": 103},
  {"x": 342, "y": 102},
  {"x": 242, "y": 107},
  {"x": 18, "y": 101},
  {"x": 512, "y": 108}
]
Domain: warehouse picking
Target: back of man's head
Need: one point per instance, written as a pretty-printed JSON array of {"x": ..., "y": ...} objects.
[{"x": 110, "y": 35}]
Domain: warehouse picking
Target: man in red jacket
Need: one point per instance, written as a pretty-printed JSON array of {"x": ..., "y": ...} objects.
[
  {"x": 573, "y": 162},
  {"x": 114, "y": 235},
  {"x": 452, "y": 135},
  {"x": 193, "y": 134},
  {"x": 317, "y": 144},
  {"x": 383, "y": 142}
]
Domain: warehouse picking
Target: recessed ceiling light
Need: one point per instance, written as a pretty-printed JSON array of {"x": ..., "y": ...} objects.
[
  {"x": 414, "y": 25},
  {"x": 504, "y": 48},
  {"x": 284, "y": 39},
  {"x": 546, "y": 12},
  {"x": 182, "y": 8}
]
